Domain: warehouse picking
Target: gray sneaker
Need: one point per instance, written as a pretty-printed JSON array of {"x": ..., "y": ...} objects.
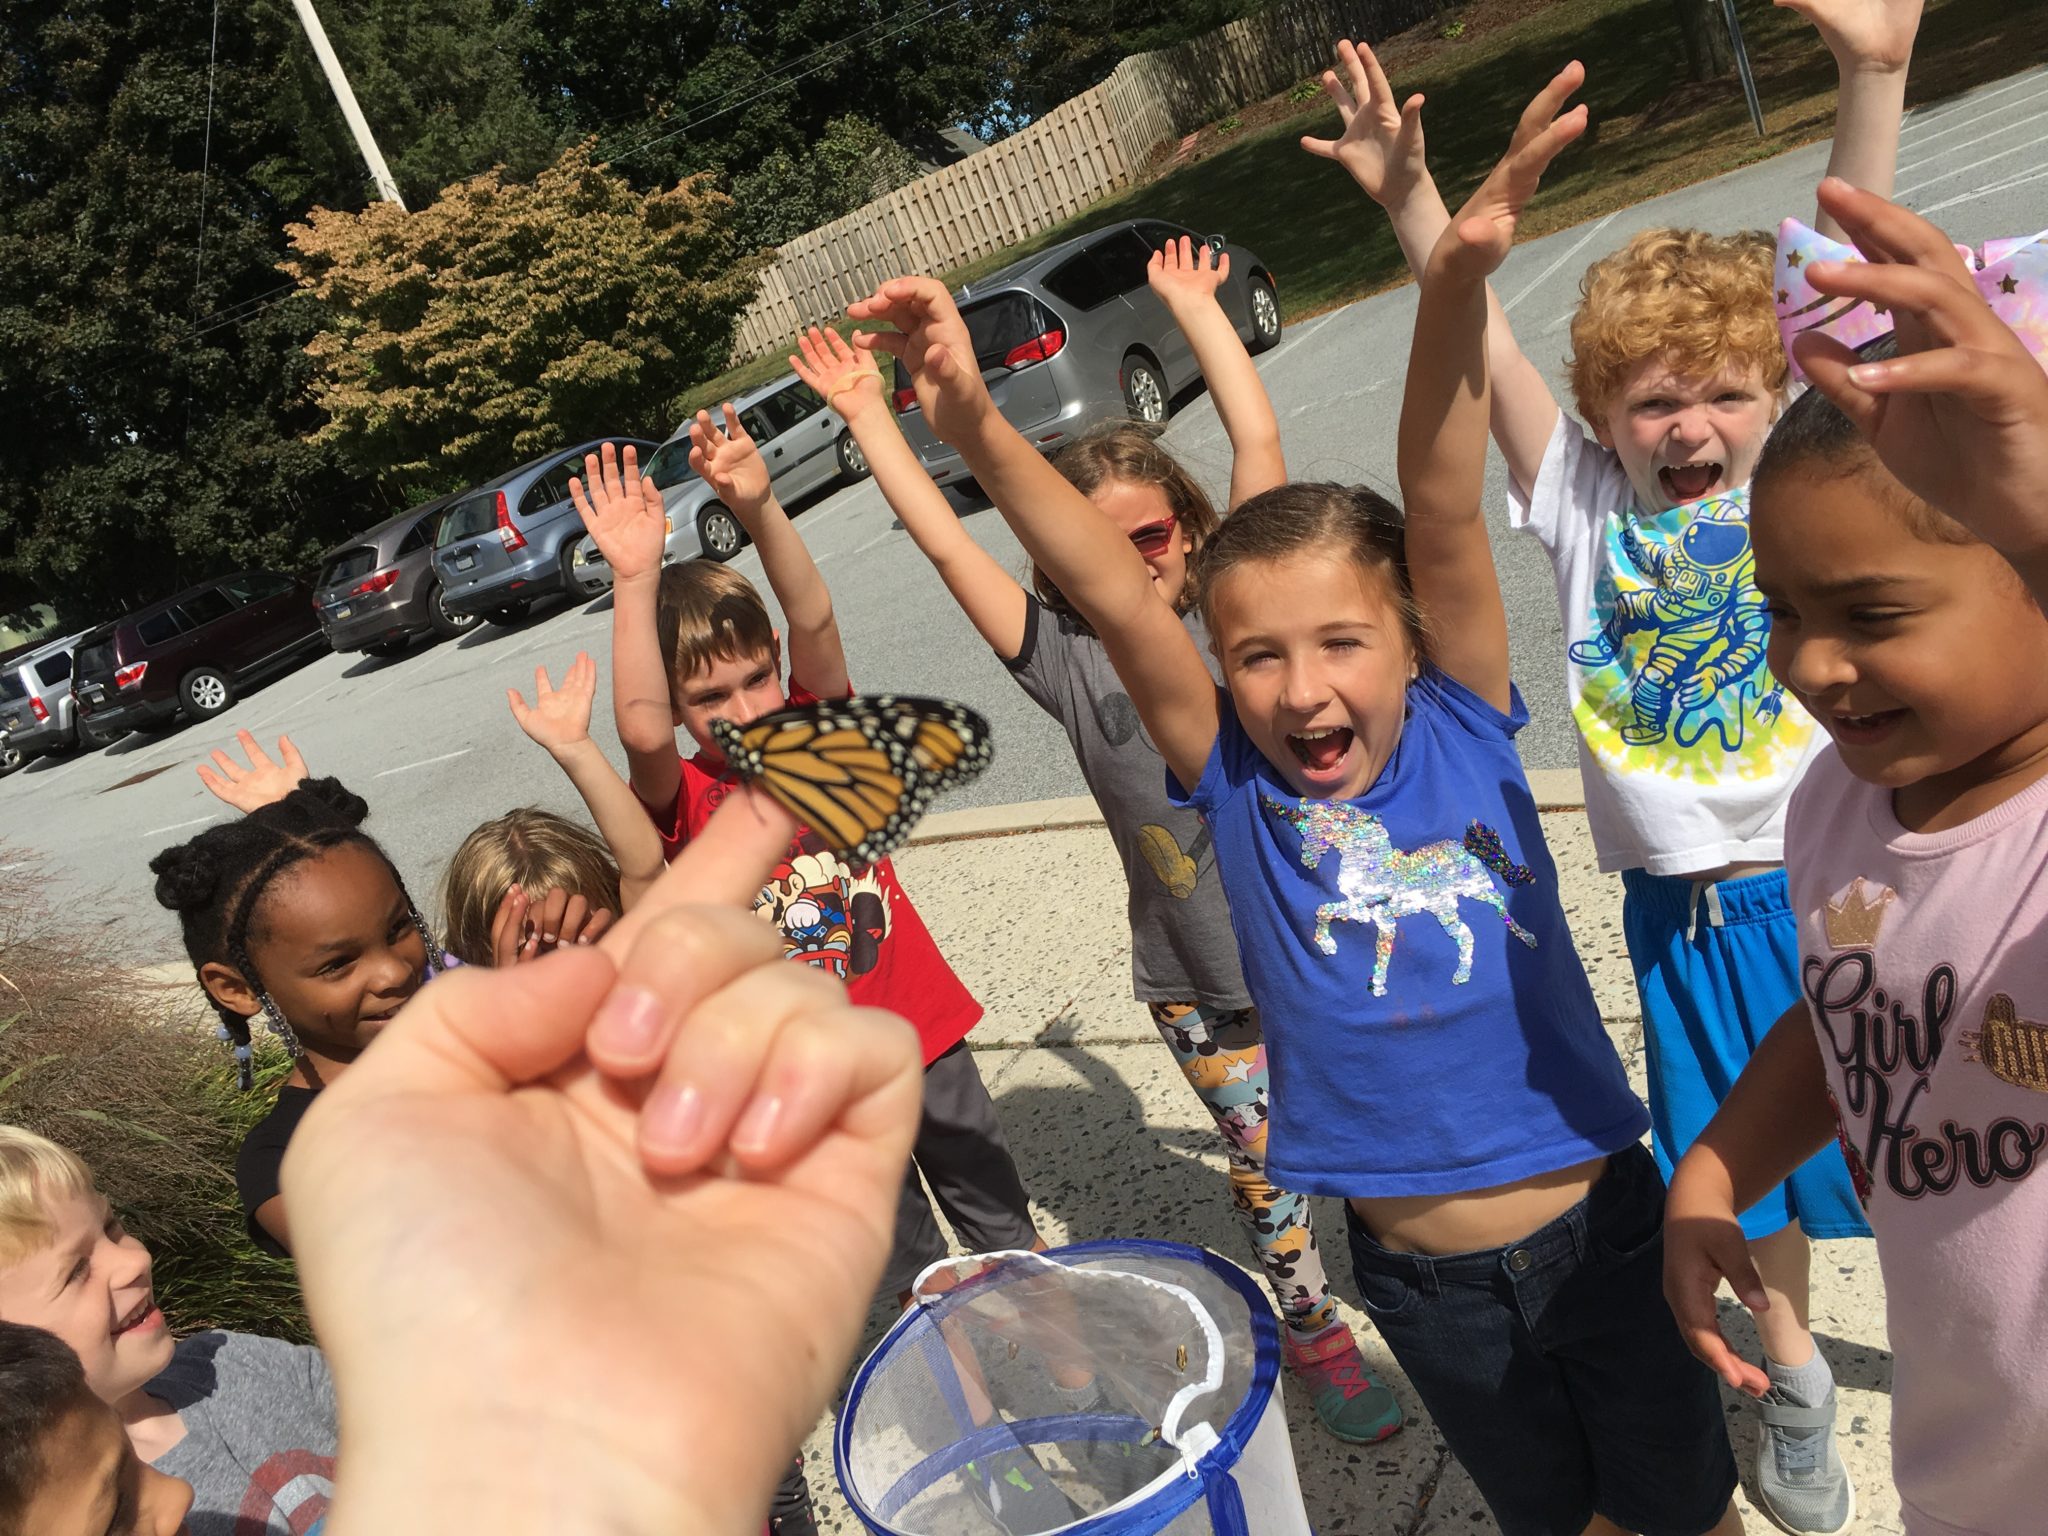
[{"x": 1801, "y": 1482}]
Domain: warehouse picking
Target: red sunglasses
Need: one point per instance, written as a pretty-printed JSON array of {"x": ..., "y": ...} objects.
[{"x": 1154, "y": 538}]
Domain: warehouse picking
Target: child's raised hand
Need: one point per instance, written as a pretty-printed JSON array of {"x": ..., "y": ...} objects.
[
  {"x": 1868, "y": 34},
  {"x": 263, "y": 782},
  {"x": 622, "y": 513},
  {"x": 474, "y": 1203},
  {"x": 1961, "y": 414},
  {"x": 1186, "y": 271},
  {"x": 558, "y": 716},
  {"x": 847, "y": 379},
  {"x": 932, "y": 343},
  {"x": 729, "y": 462},
  {"x": 1482, "y": 233},
  {"x": 1381, "y": 145}
]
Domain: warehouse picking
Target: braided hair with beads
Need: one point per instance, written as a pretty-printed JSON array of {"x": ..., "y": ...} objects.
[{"x": 215, "y": 882}]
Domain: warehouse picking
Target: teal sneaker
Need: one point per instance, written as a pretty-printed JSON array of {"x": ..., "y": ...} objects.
[{"x": 1348, "y": 1402}]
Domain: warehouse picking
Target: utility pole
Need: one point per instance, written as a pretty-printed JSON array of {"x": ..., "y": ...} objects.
[{"x": 324, "y": 52}]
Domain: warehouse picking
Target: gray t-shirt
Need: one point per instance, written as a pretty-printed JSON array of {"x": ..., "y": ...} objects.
[
  {"x": 259, "y": 1433},
  {"x": 1182, "y": 947}
]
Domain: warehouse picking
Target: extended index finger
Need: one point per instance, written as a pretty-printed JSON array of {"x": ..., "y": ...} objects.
[{"x": 724, "y": 865}]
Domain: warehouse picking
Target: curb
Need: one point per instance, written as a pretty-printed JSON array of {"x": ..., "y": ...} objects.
[{"x": 1555, "y": 789}]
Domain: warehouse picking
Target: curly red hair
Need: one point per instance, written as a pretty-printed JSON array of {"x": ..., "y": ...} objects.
[{"x": 1701, "y": 301}]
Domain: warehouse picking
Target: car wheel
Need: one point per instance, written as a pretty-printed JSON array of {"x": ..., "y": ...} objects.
[
  {"x": 853, "y": 464},
  {"x": 11, "y": 758},
  {"x": 1144, "y": 390},
  {"x": 720, "y": 532},
  {"x": 443, "y": 622},
  {"x": 1265, "y": 308},
  {"x": 205, "y": 692},
  {"x": 510, "y": 614}
]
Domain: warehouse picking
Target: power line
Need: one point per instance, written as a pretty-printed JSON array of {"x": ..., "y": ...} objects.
[{"x": 773, "y": 83}]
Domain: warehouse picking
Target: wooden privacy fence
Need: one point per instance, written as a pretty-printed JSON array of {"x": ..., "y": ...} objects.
[{"x": 1071, "y": 157}]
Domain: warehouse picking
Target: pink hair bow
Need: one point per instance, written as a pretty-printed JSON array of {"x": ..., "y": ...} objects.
[{"x": 2011, "y": 274}]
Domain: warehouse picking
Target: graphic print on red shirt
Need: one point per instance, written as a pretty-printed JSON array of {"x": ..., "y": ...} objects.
[{"x": 851, "y": 920}]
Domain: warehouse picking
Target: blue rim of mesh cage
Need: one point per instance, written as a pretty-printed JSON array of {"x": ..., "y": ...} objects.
[{"x": 1226, "y": 1508}]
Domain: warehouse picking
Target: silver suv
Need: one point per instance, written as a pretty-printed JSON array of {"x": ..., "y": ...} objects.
[
  {"x": 37, "y": 711},
  {"x": 1074, "y": 335},
  {"x": 804, "y": 442}
]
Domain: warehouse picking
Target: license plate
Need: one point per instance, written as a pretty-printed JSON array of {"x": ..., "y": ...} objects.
[
  {"x": 10, "y": 722},
  {"x": 93, "y": 692},
  {"x": 465, "y": 562},
  {"x": 342, "y": 612}
]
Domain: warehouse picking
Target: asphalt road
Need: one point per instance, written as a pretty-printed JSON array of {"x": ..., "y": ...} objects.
[{"x": 428, "y": 741}]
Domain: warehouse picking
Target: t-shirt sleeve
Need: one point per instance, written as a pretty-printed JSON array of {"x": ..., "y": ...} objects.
[
  {"x": 1044, "y": 664},
  {"x": 1232, "y": 764},
  {"x": 671, "y": 822},
  {"x": 1577, "y": 487},
  {"x": 1465, "y": 709},
  {"x": 257, "y": 1166}
]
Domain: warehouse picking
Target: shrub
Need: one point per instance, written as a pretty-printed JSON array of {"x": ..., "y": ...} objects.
[
  {"x": 1304, "y": 90},
  {"x": 1229, "y": 125},
  {"x": 128, "y": 1077}
]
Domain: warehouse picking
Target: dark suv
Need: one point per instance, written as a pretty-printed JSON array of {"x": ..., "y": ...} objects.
[
  {"x": 192, "y": 652},
  {"x": 379, "y": 590}
]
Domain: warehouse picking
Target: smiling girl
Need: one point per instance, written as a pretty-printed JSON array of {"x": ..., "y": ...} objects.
[
  {"x": 293, "y": 914},
  {"x": 1437, "y": 1056}
]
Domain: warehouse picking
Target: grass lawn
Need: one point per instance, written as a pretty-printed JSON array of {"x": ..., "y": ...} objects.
[{"x": 1651, "y": 132}]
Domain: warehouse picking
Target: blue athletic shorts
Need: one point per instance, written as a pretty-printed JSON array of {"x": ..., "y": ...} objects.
[{"x": 1716, "y": 966}]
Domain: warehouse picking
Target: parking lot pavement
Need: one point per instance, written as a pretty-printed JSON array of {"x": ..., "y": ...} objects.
[{"x": 428, "y": 741}]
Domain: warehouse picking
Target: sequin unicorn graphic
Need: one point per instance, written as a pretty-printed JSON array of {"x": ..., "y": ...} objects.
[{"x": 1381, "y": 885}]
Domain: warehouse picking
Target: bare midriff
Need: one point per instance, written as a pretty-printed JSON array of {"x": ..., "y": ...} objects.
[
  {"x": 1480, "y": 1218},
  {"x": 1728, "y": 872}
]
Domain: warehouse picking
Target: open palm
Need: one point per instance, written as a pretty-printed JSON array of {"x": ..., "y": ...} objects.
[
  {"x": 843, "y": 376},
  {"x": 728, "y": 460},
  {"x": 622, "y": 511},
  {"x": 557, "y": 716},
  {"x": 1381, "y": 143},
  {"x": 1480, "y": 237},
  {"x": 1186, "y": 271}
]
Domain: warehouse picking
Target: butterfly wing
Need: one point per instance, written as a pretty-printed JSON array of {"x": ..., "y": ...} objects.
[{"x": 859, "y": 772}]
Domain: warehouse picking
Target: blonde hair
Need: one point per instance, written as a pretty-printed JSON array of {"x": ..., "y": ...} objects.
[
  {"x": 1347, "y": 522},
  {"x": 1702, "y": 301},
  {"x": 531, "y": 848},
  {"x": 706, "y": 612},
  {"x": 1130, "y": 452},
  {"x": 34, "y": 1173}
]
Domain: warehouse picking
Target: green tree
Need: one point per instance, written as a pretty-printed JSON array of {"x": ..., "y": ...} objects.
[
  {"x": 1061, "y": 48},
  {"x": 501, "y": 320},
  {"x": 852, "y": 164}
]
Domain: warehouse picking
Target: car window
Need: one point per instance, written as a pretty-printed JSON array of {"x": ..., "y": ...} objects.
[
  {"x": 758, "y": 426},
  {"x": 205, "y": 607},
  {"x": 1082, "y": 281},
  {"x": 1003, "y": 322},
  {"x": 550, "y": 490},
  {"x": 792, "y": 407},
  {"x": 12, "y": 688},
  {"x": 467, "y": 519},
  {"x": 347, "y": 566},
  {"x": 54, "y": 669},
  {"x": 417, "y": 538},
  {"x": 255, "y": 586},
  {"x": 97, "y": 657},
  {"x": 670, "y": 464},
  {"x": 154, "y": 630},
  {"x": 1124, "y": 257},
  {"x": 1157, "y": 235}
]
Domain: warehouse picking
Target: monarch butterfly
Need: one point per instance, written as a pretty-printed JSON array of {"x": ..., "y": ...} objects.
[{"x": 859, "y": 772}]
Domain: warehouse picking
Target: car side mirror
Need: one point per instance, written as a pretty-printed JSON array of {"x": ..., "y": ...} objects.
[{"x": 1216, "y": 244}]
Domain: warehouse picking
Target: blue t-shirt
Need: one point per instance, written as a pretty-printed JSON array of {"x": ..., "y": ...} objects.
[{"x": 1400, "y": 1068}]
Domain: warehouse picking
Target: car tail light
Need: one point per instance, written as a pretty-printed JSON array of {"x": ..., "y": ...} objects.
[
  {"x": 905, "y": 399},
  {"x": 379, "y": 582},
  {"x": 42, "y": 710},
  {"x": 508, "y": 536},
  {"x": 1036, "y": 350},
  {"x": 128, "y": 677}
]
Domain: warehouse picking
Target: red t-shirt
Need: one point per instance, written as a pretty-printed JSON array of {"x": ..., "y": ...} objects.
[{"x": 852, "y": 920}]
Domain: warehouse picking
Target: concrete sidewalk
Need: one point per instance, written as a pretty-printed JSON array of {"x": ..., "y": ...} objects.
[{"x": 1027, "y": 903}]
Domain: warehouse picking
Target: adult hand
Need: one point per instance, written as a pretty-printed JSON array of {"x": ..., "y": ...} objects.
[
  {"x": 517, "y": 1259},
  {"x": 1381, "y": 144},
  {"x": 622, "y": 512},
  {"x": 263, "y": 782}
]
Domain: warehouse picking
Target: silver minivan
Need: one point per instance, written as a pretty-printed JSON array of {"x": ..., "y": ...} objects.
[
  {"x": 805, "y": 443},
  {"x": 1074, "y": 335},
  {"x": 37, "y": 712}
]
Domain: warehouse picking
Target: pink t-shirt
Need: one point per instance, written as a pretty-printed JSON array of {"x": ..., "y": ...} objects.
[{"x": 1925, "y": 963}]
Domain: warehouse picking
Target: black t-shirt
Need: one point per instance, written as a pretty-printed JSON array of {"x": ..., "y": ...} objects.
[{"x": 262, "y": 1155}]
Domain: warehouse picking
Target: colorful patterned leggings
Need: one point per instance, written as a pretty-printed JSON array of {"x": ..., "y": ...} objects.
[{"x": 1223, "y": 1055}]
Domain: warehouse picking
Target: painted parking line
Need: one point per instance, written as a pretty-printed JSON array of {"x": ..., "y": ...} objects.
[
  {"x": 425, "y": 762},
  {"x": 2029, "y": 145},
  {"x": 1551, "y": 271},
  {"x": 1942, "y": 111},
  {"x": 1912, "y": 143},
  {"x": 1987, "y": 190}
]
